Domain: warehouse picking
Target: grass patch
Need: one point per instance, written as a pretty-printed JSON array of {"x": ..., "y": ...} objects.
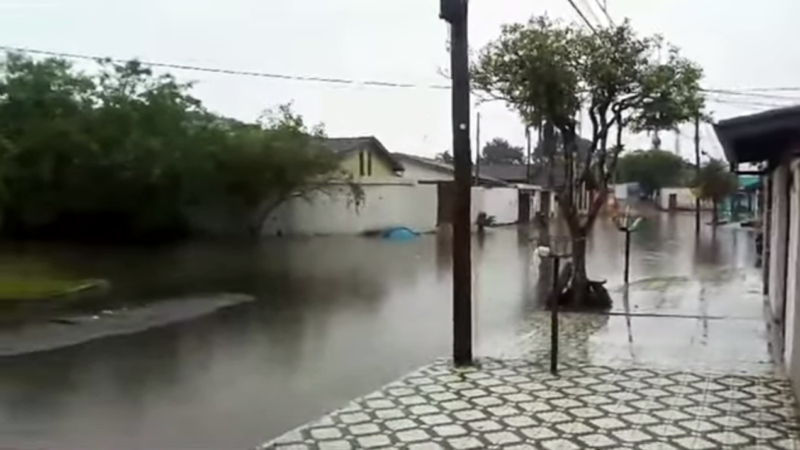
[{"x": 27, "y": 287}]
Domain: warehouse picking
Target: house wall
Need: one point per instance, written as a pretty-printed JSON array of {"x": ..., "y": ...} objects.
[
  {"x": 500, "y": 202},
  {"x": 778, "y": 235},
  {"x": 380, "y": 167},
  {"x": 791, "y": 347},
  {"x": 387, "y": 203},
  {"x": 685, "y": 199},
  {"x": 422, "y": 173}
]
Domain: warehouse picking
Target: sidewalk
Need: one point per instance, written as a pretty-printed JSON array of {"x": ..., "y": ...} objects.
[{"x": 682, "y": 364}]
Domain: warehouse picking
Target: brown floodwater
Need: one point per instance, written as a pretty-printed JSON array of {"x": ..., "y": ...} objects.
[{"x": 335, "y": 318}]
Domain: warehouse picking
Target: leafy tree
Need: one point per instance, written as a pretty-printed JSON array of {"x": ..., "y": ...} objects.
[
  {"x": 445, "y": 157},
  {"x": 651, "y": 169},
  {"x": 715, "y": 182},
  {"x": 499, "y": 151},
  {"x": 123, "y": 152},
  {"x": 549, "y": 72}
]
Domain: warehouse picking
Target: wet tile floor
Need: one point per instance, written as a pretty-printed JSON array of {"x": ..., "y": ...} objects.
[
  {"x": 517, "y": 404},
  {"x": 684, "y": 365}
]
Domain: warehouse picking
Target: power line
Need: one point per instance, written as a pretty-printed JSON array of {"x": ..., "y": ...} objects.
[
  {"x": 748, "y": 94},
  {"x": 744, "y": 104},
  {"x": 372, "y": 83},
  {"x": 604, "y": 8},
  {"x": 770, "y": 89},
  {"x": 316, "y": 79},
  {"x": 583, "y": 16},
  {"x": 586, "y": 4}
]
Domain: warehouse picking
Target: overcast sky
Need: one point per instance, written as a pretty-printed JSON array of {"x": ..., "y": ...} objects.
[{"x": 740, "y": 44}]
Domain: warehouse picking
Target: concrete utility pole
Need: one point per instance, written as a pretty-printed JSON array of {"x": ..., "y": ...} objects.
[
  {"x": 455, "y": 13},
  {"x": 528, "y": 155},
  {"x": 478, "y": 149},
  {"x": 697, "y": 173}
]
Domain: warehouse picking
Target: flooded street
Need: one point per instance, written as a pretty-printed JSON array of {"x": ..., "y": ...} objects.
[{"x": 335, "y": 318}]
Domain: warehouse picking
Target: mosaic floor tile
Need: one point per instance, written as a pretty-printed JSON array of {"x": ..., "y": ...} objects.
[{"x": 508, "y": 404}]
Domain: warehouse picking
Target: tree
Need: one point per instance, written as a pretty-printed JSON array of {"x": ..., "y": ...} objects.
[
  {"x": 445, "y": 157},
  {"x": 651, "y": 169},
  {"x": 499, "y": 151},
  {"x": 549, "y": 72},
  {"x": 715, "y": 182},
  {"x": 123, "y": 152}
]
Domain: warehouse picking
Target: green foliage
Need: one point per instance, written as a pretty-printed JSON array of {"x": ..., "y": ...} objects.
[
  {"x": 125, "y": 151},
  {"x": 652, "y": 169},
  {"x": 715, "y": 181},
  {"x": 500, "y": 151},
  {"x": 549, "y": 72}
]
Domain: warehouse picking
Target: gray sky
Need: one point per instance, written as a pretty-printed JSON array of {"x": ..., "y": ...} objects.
[{"x": 740, "y": 44}]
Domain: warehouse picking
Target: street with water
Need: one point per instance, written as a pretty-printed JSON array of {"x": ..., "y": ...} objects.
[{"x": 336, "y": 318}]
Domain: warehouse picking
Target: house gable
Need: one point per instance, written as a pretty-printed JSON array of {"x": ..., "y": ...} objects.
[{"x": 365, "y": 157}]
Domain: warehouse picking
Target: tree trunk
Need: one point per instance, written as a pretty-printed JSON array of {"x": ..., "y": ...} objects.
[
  {"x": 580, "y": 280},
  {"x": 714, "y": 214}
]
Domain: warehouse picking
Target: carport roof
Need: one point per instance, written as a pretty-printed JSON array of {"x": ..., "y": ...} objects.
[{"x": 759, "y": 137}]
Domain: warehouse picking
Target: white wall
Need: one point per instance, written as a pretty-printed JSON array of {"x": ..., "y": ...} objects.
[
  {"x": 621, "y": 191},
  {"x": 500, "y": 202},
  {"x": 777, "y": 259},
  {"x": 685, "y": 198},
  {"x": 791, "y": 276},
  {"x": 421, "y": 172},
  {"x": 386, "y": 204}
]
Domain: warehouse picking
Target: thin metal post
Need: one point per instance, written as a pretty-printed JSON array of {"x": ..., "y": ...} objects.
[
  {"x": 697, "y": 173},
  {"x": 462, "y": 156},
  {"x": 554, "y": 318},
  {"x": 627, "y": 254}
]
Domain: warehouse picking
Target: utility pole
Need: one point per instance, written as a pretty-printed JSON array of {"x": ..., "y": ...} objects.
[
  {"x": 528, "y": 156},
  {"x": 455, "y": 13},
  {"x": 697, "y": 174},
  {"x": 478, "y": 149}
]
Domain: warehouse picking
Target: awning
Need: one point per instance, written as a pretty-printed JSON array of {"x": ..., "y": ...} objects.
[{"x": 759, "y": 137}]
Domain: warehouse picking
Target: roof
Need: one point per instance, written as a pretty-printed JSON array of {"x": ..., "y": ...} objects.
[
  {"x": 759, "y": 137},
  {"x": 518, "y": 173},
  {"x": 505, "y": 172},
  {"x": 347, "y": 145},
  {"x": 443, "y": 167}
]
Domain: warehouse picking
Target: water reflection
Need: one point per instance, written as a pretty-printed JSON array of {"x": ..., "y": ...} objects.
[{"x": 335, "y": 319}]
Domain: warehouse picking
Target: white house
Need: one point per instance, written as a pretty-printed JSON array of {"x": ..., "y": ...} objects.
[
  {"x": 506, "y": 200},
  {"x": 679, "y": 199},
  {"x": 771, "y": 140}
]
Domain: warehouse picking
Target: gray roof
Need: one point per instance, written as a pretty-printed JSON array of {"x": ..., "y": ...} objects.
[
  {"x": 518, "y": 173},
  {"x": 759, "y": 137},
  {"x": 347, "y": 145},
  {"x": 445, "y": 167}
]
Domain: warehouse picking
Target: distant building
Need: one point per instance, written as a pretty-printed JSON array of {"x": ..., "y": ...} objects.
[
  {"x": 365, "y": 157},
  {"x": 506, "y": 202}
]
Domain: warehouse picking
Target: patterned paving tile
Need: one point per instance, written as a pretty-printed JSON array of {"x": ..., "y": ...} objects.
[{"x": 518, "y": 404}]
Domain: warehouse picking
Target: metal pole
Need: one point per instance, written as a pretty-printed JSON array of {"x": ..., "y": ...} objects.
[
  {"x": 697, "y": 173},
  {"x": 554, "y": 318},
  {"x": 462, "y": 156},
  {"x": 627, "y": 254},
  {"x": 478, "y": 150}
]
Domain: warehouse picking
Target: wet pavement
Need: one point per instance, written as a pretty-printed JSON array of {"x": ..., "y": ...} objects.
[
  {"x": 519, "y": 405},
  {"x": 681, "y": 362},
  {"x": 336, "y": 318}
]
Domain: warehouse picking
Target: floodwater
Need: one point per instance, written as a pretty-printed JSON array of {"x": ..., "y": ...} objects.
[{"x": 335, "y": 318}]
